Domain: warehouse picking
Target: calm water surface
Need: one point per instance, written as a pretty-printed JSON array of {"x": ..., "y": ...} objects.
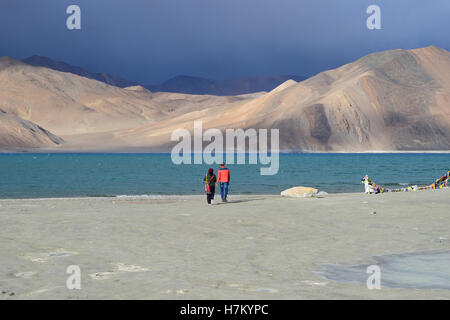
[{"x": 69, "y": 175}]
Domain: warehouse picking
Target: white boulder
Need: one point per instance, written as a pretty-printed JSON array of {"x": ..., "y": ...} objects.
[{"x": 299, "y": 192}]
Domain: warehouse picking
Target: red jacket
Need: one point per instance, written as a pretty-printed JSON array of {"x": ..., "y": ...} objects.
[{"x": 223, "y": 175}]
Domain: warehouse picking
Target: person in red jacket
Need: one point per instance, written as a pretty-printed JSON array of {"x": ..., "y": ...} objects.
[{"x": 223, "y": 178}]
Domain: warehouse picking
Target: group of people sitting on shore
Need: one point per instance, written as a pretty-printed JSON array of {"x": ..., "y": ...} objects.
[
  {"x": 222, "y": 179},
  {"x": 372, "y": 187}
]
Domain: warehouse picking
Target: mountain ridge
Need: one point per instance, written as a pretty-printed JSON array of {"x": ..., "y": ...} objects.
[
  {"x": 178, "y": 84},
  {"x": 391, "y": 100},
  {"x": 395, "y": 100},
  {"x": 236, "y": 86},
  {"x": 42, "y": 61}
]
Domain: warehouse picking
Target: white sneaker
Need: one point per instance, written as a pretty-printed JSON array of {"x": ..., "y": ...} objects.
[{"x": 212, "y": 202}]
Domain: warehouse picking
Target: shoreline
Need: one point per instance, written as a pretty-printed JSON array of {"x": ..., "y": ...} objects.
[
  {"x": 195, "y": 196},
  {"x": 141, "y": 197}
]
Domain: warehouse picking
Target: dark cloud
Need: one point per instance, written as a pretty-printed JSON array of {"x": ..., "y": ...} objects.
[{"x": 152, "y": 40}]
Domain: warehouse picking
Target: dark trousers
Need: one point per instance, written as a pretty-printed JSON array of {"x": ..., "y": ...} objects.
[{"x": 210, "y": 196}]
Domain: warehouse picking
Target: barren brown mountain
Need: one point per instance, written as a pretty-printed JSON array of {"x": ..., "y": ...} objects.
[
  {"x": 74, "y": 112},
  {"x": 392, "y": 100}
]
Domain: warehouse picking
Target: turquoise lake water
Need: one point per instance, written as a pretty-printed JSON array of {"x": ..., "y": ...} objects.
[{"x": 70, "y": 175}]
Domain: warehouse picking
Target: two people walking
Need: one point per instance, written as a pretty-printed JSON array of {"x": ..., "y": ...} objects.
[{"x": 222, "y": 179}]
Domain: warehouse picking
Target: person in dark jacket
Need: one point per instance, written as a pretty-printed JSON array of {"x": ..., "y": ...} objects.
[{"x": 210, "y": 185}]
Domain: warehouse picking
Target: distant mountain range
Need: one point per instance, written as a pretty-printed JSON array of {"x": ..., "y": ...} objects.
[
  {"x": 180, "y": 84},
  {"x": 196, "y": 85},
  {"x": 40, "y": 61},
  {"x": 391, "y": 100}
]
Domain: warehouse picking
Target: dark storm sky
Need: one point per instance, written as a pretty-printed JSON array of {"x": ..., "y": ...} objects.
[{"x": 152, "y": 40}]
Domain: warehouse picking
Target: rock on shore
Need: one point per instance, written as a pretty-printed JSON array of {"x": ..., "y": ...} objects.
[{"x": 299, "y": 192}]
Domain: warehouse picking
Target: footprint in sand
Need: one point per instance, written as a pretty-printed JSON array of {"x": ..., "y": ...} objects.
[
  {"x": 118, "y": 268},
  {"x": 26, "y": 274},
  {"x": 312, "y": 283},
  {"x": 102, "y": 275},
  {"x": 130, "y": 268},
  {"x": 181, "y": 291},
  {"x": 45, "y": 256},
  {"x": 239, "y": 286},
  {"x": 177, "y": 291},
  {"x": 264, "y": 290},
  {"x": 8, "y": 293},
  {"x": 39, "y": 291}
]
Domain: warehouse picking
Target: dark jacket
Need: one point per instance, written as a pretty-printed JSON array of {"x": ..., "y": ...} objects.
[{"x": 211, "y": 181}]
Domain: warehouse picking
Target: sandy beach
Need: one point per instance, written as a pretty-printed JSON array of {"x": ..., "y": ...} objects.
[{"x": 254, "y": 247}]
